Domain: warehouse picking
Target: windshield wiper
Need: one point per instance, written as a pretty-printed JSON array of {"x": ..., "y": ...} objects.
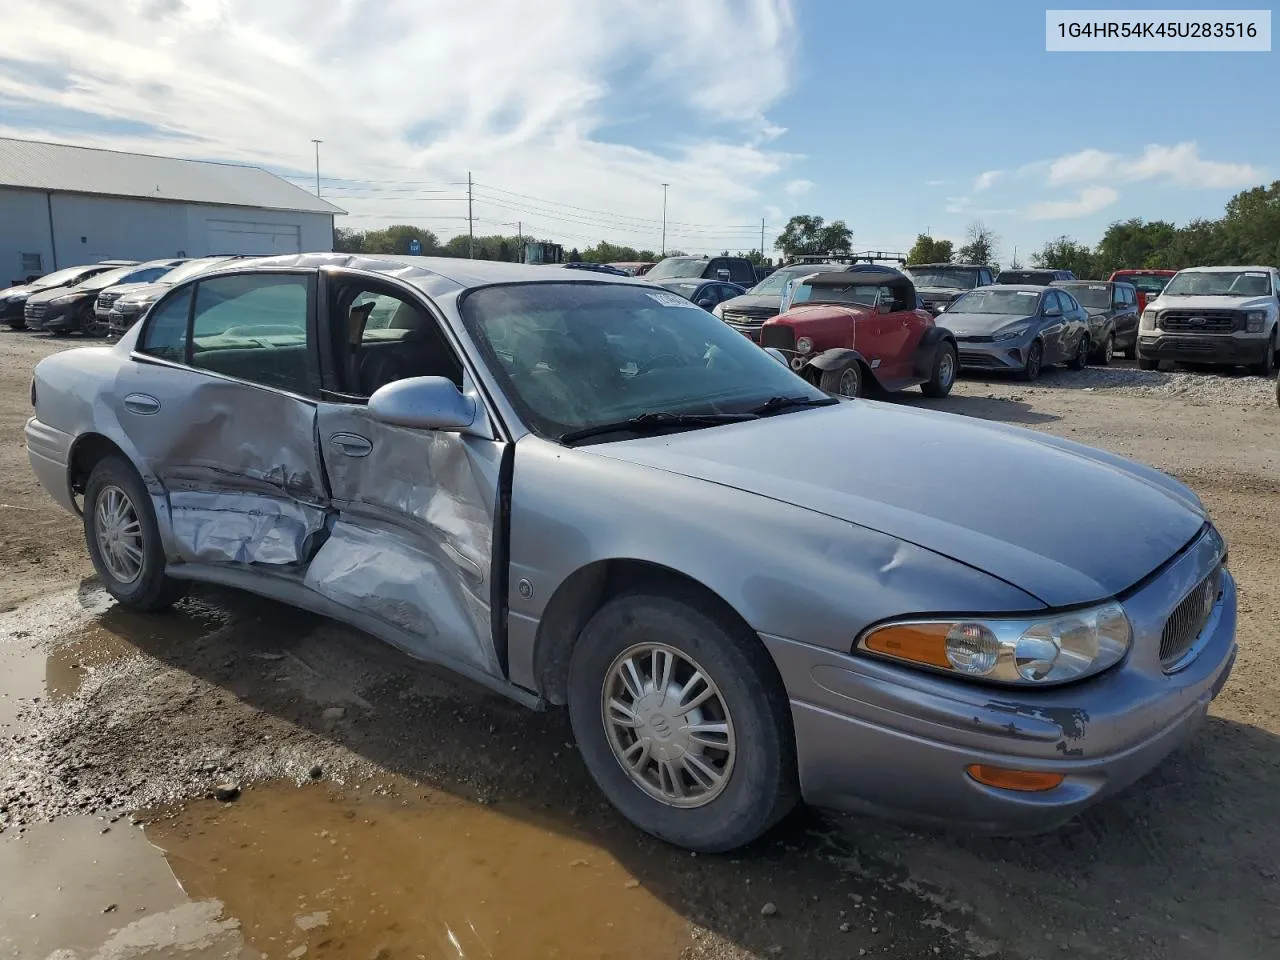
[
  {"x": 656, "y": 420},
  {"x": 777, "y": 404}
]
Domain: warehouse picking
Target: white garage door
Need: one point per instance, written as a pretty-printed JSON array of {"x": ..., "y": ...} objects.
[{"x": 255, "y": 239}]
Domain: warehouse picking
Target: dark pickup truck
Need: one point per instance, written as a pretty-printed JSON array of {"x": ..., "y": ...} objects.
[{"x": 737, "y": 270}]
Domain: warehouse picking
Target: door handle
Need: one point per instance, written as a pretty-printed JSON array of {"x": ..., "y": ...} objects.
[
  {"x": 142, "y": 404},
  {"x": 352, "y": 444}
]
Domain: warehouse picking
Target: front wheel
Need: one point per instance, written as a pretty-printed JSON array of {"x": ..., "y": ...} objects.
[
  {"x": 123, "y": 538},
  {"x": 1104, "y": 355},
  {"x": 843, "y": 382},
  {"x": 1035, "y": 361},
  {"x": 682, "y": 721},
  {"x": 17, "y": 324},
  {"x": 1081, "y": 358},
  {"x": 944, "y": 373},
  {"x": 1267, "y": 367},
  {"x": 91, "y": 326}
]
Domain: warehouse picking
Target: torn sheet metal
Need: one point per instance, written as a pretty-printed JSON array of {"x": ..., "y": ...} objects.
[
  {"x": 242, "y": 527},
  {"x": 380, "y": 574}
]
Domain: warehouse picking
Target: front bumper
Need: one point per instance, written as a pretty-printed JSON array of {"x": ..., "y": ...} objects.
[
  {"x": 59, "y": 319},
  {"x": 993, "y": 355},
  {"x": 11, "y": 312},
  {"x": 1203, "y": 348},
  {"x": 119, "y": 323},
  {"x": 875, "y": 737}
]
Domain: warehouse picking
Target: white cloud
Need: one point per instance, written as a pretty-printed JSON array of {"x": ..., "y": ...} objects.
[
  {"x": 934, "y": 183},
  {"x": 797, "y": 188},
  {"x": 1179, "y": 164},
  {"x": 1087, "y": 201},
  {"x": 958, "y": 204},
  {"x": 522, "y": 95},
  {"x": 985, "y": 179}
]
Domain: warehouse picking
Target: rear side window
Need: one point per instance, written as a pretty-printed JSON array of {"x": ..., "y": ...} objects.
[{"x": 166, "y": 333}]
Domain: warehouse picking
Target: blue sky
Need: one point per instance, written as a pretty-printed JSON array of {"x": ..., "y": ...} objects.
[{"x": 893, "y": 117}]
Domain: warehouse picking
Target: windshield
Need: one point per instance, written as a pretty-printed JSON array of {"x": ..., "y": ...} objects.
[
  {"x": 674, "y": 267},
  {"x": 61, "y": 277},
  {"x": 686, "y": 288},
  {"x": 1021, "y": 303},
  {"x": 1219, "y": 283},
  {"x": 862, "y": 294},
  {"x": 1096, "y": 295},
  {"x": 942, "y": 277},
  {"x": 1148, "y": 283},
  {"x": 103, "y": 280},
  {"x": 777, "y": 281},
  {"x": 575, "y": 355}
]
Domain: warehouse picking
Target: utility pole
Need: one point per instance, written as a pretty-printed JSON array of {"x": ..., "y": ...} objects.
[
  {"x": 317, "y": 143},
  {"x": 520, "y": 238},
  {"x": 664, "y": 218},
  {"x": 471, "y": 224},
  {"x": 762, "y": 239}
]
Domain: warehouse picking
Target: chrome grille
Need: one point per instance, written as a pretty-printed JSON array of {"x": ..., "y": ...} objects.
[
  {"x": 778, "y": 336},
  {"x": 1201, "y": 321},
  {"x": 34, "y": 311},
  {"x": 106, "y": 299},
  {"x": 1188, "y": 619}
]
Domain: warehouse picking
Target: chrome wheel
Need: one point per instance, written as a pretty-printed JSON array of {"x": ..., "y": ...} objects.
[
  {"x": 119, "y": 534},
  {"x": 850, "y": 383},
  {"x": 668, "y": 725},
  {"x": 946, "y": 369}
]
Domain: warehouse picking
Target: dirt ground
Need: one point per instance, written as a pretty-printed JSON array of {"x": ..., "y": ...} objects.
[{"x": 386, "y": 811}]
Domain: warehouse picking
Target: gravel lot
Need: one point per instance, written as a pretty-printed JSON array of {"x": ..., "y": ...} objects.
[{"x": 106, "y": 714}]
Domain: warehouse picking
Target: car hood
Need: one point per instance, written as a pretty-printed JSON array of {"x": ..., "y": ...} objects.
[
  {"x": 1210, "y": 303},
  {"x": 16, "y": 292},
  {"x": 53, "y": 293},
  {"x": 978, "y": 324},
  {"x": 1018, "y": 505},
  {"x": 754, "y": 303},
  {"x": 940, "y": 293},
  {"x": 125, "y": 289},
  {"x": 143, "y": 291}
]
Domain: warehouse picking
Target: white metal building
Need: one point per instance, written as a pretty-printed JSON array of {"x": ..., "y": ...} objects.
[{"x": 61, "y": 206}]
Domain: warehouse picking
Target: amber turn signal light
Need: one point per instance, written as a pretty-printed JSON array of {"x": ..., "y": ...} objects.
[
  {"x": 1024, "y": 781},
  {"x": 918, "y": 642}
]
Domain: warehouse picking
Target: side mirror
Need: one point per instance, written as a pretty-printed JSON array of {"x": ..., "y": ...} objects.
[
  {"x": 423, "y": 403},
  {"x": 777, "y": 355},
  {"x": 706, "y": 303},
  {"x": 941, "y": 308}
]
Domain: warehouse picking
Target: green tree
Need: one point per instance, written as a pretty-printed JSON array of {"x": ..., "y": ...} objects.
[
  {"x": 1065, "y": 253},
  {"x": 981, "y": 245},
  {"x": 929, "y": 250},
  {"x": 807, "y": 235},
  {"x": 347, "y": 241},
  {"x": 1132, "y": 243},
  {"x": 396, "y": 239},
  {"x": 1251, "y": 226}
]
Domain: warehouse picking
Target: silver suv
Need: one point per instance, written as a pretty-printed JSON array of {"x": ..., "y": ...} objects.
[{"x": 1224, "y": 316}]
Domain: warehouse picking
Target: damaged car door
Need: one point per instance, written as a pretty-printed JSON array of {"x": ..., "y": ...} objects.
[
  {"x": 219, "y": 403},
  {"x": 413, "y": 543}
]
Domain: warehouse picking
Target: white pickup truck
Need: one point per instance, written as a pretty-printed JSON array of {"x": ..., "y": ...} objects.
[{"x": 1215, "y": 316}]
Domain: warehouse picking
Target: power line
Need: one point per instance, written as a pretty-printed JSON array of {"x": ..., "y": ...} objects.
[
  {"x": 609, "y": 213},
  {"x": 580, "y": 220}
]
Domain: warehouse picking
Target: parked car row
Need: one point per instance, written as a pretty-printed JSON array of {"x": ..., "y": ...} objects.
[
  {"x": 96, "y": 300},
  {"x": 596, "y": 494}
]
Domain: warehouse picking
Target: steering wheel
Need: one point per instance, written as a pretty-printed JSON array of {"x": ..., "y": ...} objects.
[{"x": 653, "y": 363}]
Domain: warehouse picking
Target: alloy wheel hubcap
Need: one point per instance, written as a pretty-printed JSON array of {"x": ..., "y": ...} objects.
[
  {"x": 946, "y": 369},
  {"x": 1111, "y": 348},
  {"x": 668, "y": 725},
  {"x": 119, "y": 534},
  {"x": 849, "y": 383}
]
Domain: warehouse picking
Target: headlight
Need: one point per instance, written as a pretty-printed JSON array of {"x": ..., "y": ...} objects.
[
  {"x": 1148, "y": 320},
  {"x": 804, "y": 345},
  {"x": 1046, "y": 650},
  {"x": 1254, "y": 319},
  {"x": 63, "y": 300},
  {"x": 1009, "y": 333},
  {"x": 718, "y": 311}
]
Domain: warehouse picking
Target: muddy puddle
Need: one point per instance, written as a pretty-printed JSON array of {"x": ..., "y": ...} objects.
[{"x": 316, "y": 872}]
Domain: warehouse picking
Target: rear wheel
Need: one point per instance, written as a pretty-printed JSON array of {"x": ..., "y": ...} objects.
[
  {"x": 682, "y": 720},
  {"x": 844, "y": 381},
  {"x": 1104, "y": 354},
  {"x": 123, "y": 538},
  {"x": 1035, "y": 361},
  {"x": 944, "y": 372}
]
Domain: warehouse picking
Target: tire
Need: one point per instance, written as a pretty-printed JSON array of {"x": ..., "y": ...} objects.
[
  {"x": 1035, "y": 362},
  {"x": 91, "y": 326},
  {"x": 1130, "y": 352},
  {"x": 17, "y": 324},
  {"x": 1103, "y": 355},
  {"x": 943, "y": 378},
  {"x": 1081, "y": 358},
  {"x": 1147, "y": 363},
  {"x": 150, "y": 589},
  {"x": 760, "y": 785},
  {"x": 837, "y": 382},
  {"x": 1267, "y": 367}
]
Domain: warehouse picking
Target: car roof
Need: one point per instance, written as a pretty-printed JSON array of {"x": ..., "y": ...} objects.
[
  {"x": 1077, "y": 281},
  {"x": 427, "y": 272},
  {"x": 1037, "y": 287},
  {"x": 1224, "y": 269},
  {"x": 862, "y": 273},
  {"x": 938, "y": 266}
]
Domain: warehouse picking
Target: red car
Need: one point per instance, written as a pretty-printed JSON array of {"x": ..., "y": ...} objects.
[
  {"x": 846, "y": 331},
  {"x": 1148, "y": 282}
]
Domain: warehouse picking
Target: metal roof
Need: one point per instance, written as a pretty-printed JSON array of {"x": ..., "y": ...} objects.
[{"x": 34, "y": 165}]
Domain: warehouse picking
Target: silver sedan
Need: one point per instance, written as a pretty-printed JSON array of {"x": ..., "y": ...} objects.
[
  {"x": 1018, "y": 328},
  {"x": 586, "y": 490}
]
